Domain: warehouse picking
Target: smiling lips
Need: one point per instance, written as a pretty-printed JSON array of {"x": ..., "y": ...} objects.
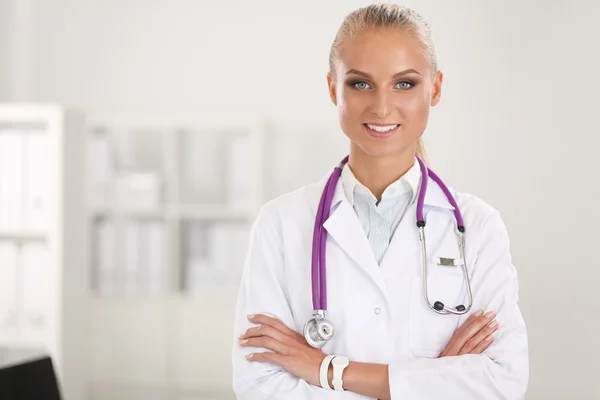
[{"x": 381, "y": 131}]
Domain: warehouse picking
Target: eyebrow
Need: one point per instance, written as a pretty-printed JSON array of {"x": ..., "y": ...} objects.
[{"x": 397, "y": 75}]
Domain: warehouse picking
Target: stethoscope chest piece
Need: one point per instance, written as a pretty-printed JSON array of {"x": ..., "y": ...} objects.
[{"x": 318, "y": 330}]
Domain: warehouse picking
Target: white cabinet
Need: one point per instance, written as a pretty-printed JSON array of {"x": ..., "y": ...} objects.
[
  {"x": 175, "y": 202},
  {"x": 44, "y": 275}
]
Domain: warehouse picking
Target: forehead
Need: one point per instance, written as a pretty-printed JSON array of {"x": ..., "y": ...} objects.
[{"x": 383, "y": 53}]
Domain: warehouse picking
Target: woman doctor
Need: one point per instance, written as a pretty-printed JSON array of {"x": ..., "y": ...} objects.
[{"x": 387, "y": 340}]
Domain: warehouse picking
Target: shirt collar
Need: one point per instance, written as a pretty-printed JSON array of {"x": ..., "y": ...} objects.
[{"x": 409, "y": 182}]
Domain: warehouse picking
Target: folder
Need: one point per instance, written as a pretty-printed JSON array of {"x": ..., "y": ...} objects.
[
  {"x": 36, "y": 180},
  {"x": 132, "y": 258},
  {"x": 156, "y": 277},
  {"x": 12, "y": 177},
  {"x": 241, "y": 188},
  {"x": 199, "y": 269},
  {"x": 100, "y": 167},
  {"x": 105, "y": 258},
  {"x": 229, "y": 243},
  {"x": 8, "y": 286},
  {"x": 36, "y": 281}
]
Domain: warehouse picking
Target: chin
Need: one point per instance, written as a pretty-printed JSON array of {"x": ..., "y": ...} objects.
[{"x": 381, "y": 149}]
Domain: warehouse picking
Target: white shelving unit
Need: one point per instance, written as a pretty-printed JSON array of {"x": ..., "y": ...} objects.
[
  {"x": 43, "y": 244},
  {"x": 211, "y": 184}
]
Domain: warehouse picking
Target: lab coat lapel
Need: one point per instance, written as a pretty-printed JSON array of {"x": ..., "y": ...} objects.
[
  {"x": 345, "y": 229},
  {"x": 405, "y": 243}
]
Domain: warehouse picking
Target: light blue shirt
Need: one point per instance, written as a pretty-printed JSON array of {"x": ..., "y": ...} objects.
[{"x": 381, "y": 220}]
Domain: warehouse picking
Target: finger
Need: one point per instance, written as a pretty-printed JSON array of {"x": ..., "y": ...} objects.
[
  {"x": 266, "y": 342},
  {"x": 266, "y": 330},
  {"x": 479, "y": 337},
  {"x": 472, "y": 318},
  {"x": 483, "y": 345},
  {"x": 458, "y": 331},
  {"x": 266, "y": 357},
  {"x": 273, "y": 322},
  {"x": 469, "y": 331}
]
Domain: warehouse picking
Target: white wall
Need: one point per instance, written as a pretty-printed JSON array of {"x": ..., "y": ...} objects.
[
  {"x": 518, "y": 104},
  {"x": 4, "y": 28}
]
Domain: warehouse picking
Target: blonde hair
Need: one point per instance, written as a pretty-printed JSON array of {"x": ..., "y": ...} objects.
[{"x": 386, "y": 16}]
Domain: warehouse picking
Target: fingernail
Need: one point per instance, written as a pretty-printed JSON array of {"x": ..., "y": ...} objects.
[
  {"x": 478, "y": 313},
  {"x": 249, "y": 357},
  {"x": 494, "y": 324},
  {"x": 489, "y": 338},
  {"x": 489, "y": 314},
  {"x": 250, "y": 316},
  {"x": 244, "y": 341}
]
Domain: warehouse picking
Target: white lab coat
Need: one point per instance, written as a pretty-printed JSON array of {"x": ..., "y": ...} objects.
[{"x": 379, "y": 312}]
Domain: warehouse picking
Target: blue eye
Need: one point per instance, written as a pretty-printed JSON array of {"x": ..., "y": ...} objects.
[
  {"x": 358, "y": 83},
  {"x": 404, "y": 85}
]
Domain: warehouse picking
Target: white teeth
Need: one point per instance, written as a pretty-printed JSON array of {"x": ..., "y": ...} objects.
[{"x": 382, "y": 128}]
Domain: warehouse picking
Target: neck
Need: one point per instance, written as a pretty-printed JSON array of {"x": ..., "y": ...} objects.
[{"x": 377, "y": 173}]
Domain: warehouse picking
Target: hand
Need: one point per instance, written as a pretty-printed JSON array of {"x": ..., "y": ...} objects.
[
  {"x": 473, "y": 337},
  {"x": 290, "y": 349}
]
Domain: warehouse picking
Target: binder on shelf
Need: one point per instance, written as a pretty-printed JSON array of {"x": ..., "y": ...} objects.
[
  {"x": 139, "y": 191},
  {"x": 155, "y": 277},
  {"x": 36, "y": 180},
  {"x": 35, "y": 283},
  {"x": 8, "y": 286},
  {"x": 106, "y": 262},
  {"x": 240, "y": 186},
  {"x": 132, "y": 258},
  {"x": 201, "y": 164},
  {"x": 199, "y": 270},
  {"x": 12, "y": 174},
  {"x": 228, "y": 250},
  {"x": 143, "y": 257},
  {"x": 100, "y": 166}
]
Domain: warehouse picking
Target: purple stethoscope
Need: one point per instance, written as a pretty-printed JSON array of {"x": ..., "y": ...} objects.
[{"x": 318, "y": 330}]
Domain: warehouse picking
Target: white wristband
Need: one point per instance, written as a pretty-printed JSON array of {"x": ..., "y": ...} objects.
[
  {"x": 339, "y": 364},
  {"x": 323, "y": 372}
]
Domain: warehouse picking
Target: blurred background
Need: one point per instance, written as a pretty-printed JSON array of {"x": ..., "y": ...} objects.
[{"x": 138, "y": 139}]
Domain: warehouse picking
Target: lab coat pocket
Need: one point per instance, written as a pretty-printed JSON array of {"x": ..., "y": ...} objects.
[{"x": 428, "y": 331}]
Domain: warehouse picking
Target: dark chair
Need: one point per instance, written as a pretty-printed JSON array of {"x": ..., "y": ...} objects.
[{"x": 27, "y": 375}]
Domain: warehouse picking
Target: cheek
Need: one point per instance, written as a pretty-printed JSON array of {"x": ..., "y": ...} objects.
[
  {"x": 350, "y": 107},
  {"x": 417, "y": 109}
]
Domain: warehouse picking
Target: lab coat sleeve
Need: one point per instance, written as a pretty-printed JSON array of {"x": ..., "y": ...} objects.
[
  {"x": 263, "y": 291},
  {"x": 502, "y": 371}
]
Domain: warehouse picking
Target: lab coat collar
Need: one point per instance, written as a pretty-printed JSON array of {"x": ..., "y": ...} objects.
[
  {"x": 407, "y": 182},
  {"x": 434, "y": 197}
]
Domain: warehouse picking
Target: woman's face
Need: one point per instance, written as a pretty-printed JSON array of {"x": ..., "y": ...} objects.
[{"x": 383, "y": 88}]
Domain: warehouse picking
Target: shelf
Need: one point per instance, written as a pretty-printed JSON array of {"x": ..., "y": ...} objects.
[
  {"x": 194, "y": 212},
  {"x": 43, "y": 258},
  {"x": 186, "y": 212},
  {"x": 176, "y": 299},
  {"x": 205, "y": 167},
  {"x": 22, "y": 234},
  {"x": 123, "y": 214}
]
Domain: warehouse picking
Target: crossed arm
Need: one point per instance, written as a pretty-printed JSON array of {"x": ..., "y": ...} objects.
[
  {"x": 290, "y": 351},
  {"x": 289, "y": 368}
]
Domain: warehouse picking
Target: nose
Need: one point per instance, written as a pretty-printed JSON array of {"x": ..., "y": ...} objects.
[{"x": 381, "y": 106}]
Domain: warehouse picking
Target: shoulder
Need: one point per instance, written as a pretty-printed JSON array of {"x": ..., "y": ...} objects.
[{"x": 482, "y": 220}]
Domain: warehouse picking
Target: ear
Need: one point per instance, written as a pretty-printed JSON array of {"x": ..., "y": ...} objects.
[
  {"x": 332, "y": 88},
  {"x": 436, "y": 93}
]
